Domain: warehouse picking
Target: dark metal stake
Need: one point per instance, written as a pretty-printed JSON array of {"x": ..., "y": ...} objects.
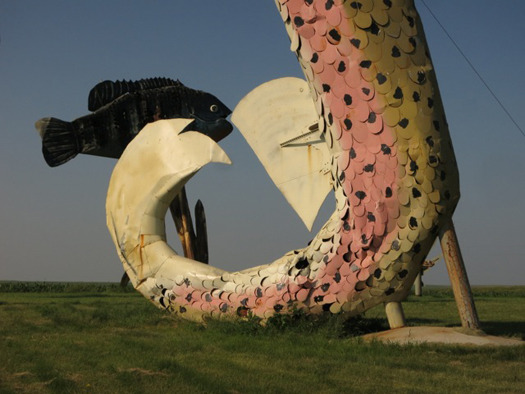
[{"x": 201, "y": 236}]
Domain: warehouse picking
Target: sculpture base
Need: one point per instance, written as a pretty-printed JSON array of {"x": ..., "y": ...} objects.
[{"x": 439, "y": 335}]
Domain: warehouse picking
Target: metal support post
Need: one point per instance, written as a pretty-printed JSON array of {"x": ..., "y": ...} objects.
[{"x": 395, "y": 314}]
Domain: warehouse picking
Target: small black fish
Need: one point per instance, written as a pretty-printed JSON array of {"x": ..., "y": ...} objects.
[{"x": 122, "y": 109}]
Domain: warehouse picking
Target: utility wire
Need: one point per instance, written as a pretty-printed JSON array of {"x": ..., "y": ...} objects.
[{"x": 474, "y": 69}]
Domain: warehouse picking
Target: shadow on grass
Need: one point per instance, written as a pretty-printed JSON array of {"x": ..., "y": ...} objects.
[
  {"x": 87, "y": 295},
  {"x": 508, "y": 328},
  {"x": 327, "y": 325}
]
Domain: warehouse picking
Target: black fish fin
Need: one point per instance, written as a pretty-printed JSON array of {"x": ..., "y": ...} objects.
[
  {"x": 105, "y": 92},
  {"x": 59, "y": 142}
]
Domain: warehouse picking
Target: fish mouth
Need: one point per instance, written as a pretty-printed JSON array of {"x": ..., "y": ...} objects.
[
  {"x": 216, "y": 130},
  {"x": 221, "y": 130}
]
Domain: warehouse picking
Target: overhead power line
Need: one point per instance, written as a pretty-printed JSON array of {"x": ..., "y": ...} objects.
[{"x": 474, "y": 69}]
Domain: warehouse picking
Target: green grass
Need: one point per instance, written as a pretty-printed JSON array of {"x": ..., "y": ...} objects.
[{"x": 102, "y": 339}]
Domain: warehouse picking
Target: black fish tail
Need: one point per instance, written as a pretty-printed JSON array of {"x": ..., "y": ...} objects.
[{"x": 59, "y": 141}]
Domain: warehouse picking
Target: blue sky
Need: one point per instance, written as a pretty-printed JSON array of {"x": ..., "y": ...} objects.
[{"x": 52, "y": 53}]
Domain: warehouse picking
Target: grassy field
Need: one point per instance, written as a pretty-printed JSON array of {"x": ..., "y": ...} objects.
[{"x": 102, "y": 339}]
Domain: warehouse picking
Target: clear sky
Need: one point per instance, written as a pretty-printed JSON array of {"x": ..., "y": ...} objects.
[{"x": 52, "y": 220}]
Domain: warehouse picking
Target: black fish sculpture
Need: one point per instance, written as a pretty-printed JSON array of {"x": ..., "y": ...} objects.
[{"x": 122, "y": 109}]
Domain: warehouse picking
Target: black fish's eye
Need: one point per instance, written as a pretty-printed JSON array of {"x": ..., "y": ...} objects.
[{"x": 214, "y": 108}]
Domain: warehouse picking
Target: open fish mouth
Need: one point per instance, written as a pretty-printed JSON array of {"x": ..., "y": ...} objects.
[{"x": 216, "y": 130}]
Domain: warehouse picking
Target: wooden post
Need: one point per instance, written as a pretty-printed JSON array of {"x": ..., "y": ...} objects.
[{"x": 458, "y": 277}]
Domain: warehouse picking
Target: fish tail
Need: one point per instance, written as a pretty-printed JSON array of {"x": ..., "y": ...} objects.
[{"x": 59, "y": 141}]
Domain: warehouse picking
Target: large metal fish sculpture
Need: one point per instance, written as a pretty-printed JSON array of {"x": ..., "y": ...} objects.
[
  {"x": 121, "y": 110},
  {"x": 375, "y": 133}
]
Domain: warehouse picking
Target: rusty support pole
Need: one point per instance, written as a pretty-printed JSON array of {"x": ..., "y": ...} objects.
[
  {"x": 194, "y": 244},
  {"x": 458, "y": 277},
  {"x": 182, "y": 218}
]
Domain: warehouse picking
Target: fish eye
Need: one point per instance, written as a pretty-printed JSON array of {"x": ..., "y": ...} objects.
[{"x": 214, "y": 108}]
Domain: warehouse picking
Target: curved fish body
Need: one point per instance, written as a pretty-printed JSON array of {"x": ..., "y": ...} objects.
[
  {"x": 391, "y": 166},
  {"x": 122, "y": 109}
]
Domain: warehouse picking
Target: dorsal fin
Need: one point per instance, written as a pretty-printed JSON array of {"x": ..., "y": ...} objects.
[
  {"x": 107, "y": 91},
  {"x": 280, "y": 123}
]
